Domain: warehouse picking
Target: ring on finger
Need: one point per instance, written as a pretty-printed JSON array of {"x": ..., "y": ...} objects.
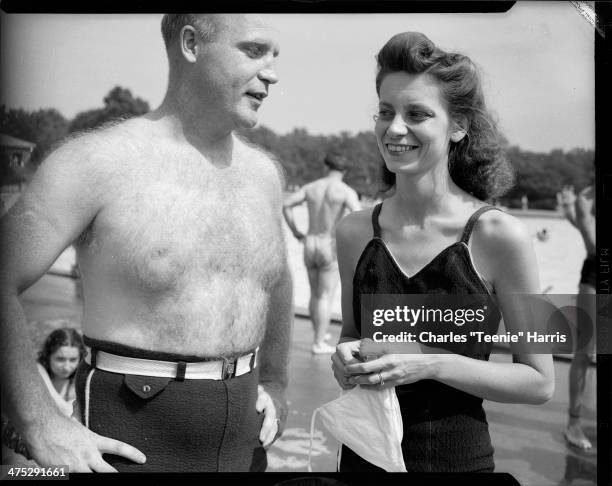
[{"x": 381, "y": 382}]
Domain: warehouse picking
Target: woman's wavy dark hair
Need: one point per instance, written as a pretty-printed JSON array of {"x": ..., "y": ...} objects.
[
  {"x": 64, "y": 336},
  {"x": 477, "y": 163}
]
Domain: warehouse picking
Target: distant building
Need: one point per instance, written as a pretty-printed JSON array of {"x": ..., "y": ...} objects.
[{"x": 14, "y": 157}]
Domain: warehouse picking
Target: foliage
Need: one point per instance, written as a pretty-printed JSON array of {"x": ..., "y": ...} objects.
[
  {"x": 302, "y": 155},
  {"x": 46, "y": 127},
  {"x": 119, "y": 104},
  {"x": 42, "y": 127},
  {"x": 539, "y": 175}
]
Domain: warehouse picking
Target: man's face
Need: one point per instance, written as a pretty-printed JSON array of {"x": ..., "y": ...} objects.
[{"x": 237, "y": 68}]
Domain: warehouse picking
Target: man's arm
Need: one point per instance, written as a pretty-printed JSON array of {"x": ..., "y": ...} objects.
[
  {"x": 567, "y": 201},
  {"x": 274, "y": 349},
  {"x": 294, "y": 199},
  {"x": 352, "y": 201},
  {"x": 62, "y": 199},
  {"x": 273, "y": 358},
  {"x": 585, "y": 218}
]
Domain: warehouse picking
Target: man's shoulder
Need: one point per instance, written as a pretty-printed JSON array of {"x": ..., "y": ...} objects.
[
  {"x": 348, "y": 189},
  {"x": 91, "y": 159},
  {"x": 101, "y": 143},
  {"x": 339, "y": 190},
  {"x": 261, "y": 159},
  {"x": 254, "y": 151}
]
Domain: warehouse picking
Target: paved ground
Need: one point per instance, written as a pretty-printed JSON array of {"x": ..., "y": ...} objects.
[{"x": 528, "y": 439}]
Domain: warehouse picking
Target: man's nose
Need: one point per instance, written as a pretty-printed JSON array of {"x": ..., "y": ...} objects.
[{"x": 268, "y": 75}]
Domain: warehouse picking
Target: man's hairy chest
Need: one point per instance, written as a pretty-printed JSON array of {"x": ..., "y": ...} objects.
[{"x": 167, "y": 233}]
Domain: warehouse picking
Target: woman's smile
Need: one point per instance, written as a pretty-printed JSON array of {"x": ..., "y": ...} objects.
[{"x": 396, "y": 148}]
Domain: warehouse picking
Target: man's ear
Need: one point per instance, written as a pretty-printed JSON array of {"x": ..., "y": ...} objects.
[{"x": 189, "y": 43}]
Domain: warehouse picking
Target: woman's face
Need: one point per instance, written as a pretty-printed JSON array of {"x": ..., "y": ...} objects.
[
  {"x": 413, "y": 127},
  {"x": 64, "y": 361}
]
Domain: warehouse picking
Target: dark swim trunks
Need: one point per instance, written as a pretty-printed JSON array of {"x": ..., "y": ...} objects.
[
  {"x": 194, "y": 425},
  {"x": 588, "y": 276}
]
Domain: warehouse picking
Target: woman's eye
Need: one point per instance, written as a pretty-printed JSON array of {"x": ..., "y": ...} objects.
[
  {"x": 385, "y": 115},
  {"x": 418, "y": 115}
]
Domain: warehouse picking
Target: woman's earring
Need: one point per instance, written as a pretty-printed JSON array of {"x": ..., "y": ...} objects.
[{"x": 457, "y": 136}]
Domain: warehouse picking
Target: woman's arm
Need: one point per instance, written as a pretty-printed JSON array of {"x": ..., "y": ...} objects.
[
  {"x": 350, "y": 240},
  {"x": 506, "y": 254},
  {"x": 353, "y": 233}
]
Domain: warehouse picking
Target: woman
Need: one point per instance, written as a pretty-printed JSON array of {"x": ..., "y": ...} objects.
[
  {"x": 435, "y": 234},
  {"x": 58, "y": 359}
]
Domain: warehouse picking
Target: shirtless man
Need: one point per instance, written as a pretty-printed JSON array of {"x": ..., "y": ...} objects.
[
  {"x": 178, "y": 230},
  {"x": 328, "y": 200}
]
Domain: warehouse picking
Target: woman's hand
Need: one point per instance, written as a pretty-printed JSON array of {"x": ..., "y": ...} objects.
[
  {"x": 346, "y": 353},
  {"x": 391, "y": 370}
]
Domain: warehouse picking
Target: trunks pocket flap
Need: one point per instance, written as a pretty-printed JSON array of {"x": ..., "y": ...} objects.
[{"x": 146, "y": 386}]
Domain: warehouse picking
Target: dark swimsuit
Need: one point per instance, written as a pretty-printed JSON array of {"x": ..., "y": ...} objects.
[
  {"x": 588, "y": 275},
  {"x": 180, "y": 425},
  {"x": 445, "y": 429}
]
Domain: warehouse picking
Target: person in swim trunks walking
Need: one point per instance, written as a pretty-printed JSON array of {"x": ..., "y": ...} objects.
[
  {"x": 187, "y": 299},
  {"x": 328, "y": 200}
]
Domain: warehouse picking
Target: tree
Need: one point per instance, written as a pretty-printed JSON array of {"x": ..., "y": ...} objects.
[
  {"x": 44, "y": 127},
  {"x": 541, "y": 175},
  {"x": 119, "y": 104}
]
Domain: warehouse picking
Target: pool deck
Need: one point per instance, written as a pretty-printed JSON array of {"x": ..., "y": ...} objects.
[{"x": 528, "y": 440}]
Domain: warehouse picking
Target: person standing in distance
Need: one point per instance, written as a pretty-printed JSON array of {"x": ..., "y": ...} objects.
[
  {"x": 187, "y": 293},
  {"x": 328, "y": 200},
  {"x": 580, "y": 212}
]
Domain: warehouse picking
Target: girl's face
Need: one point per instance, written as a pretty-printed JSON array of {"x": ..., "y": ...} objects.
[
  {"x": 413, "y": 127},
  {"x": 64, "y": 361}
]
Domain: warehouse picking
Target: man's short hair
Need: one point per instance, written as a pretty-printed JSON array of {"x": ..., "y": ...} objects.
[
  {"x": 172, "y": 24},
  {"x": 336, "y": 162}
]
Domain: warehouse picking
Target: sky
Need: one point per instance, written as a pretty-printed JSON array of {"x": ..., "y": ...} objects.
[{"x": 537, "y": 62}]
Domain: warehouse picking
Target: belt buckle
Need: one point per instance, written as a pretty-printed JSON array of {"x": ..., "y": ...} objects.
[{"x": 229, "y": 368}]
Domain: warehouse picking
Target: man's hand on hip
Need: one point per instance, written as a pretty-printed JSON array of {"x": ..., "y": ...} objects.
[
  {"x": 63, "y": 441},
  {"x": 274, "y": 406}
]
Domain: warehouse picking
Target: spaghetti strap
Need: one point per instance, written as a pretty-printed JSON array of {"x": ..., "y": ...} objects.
[
  {"x": 469, "y": 226},
  {"x": 375, "y": 225}
]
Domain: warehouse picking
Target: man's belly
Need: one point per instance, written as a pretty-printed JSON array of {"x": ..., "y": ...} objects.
[{"x": 199, "y": 320}]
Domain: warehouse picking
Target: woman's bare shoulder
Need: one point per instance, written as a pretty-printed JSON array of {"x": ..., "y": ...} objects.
[
  {"x": 501, "y": 243},
  {"x": 498, "y": 230},
  {"x": 355, "y": 225}
]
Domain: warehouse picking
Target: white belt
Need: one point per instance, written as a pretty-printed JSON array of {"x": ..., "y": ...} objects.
[{"x": 203, "y": 370}]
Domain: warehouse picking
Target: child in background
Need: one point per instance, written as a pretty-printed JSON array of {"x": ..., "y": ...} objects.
[{"x": 57, "y": 363}]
